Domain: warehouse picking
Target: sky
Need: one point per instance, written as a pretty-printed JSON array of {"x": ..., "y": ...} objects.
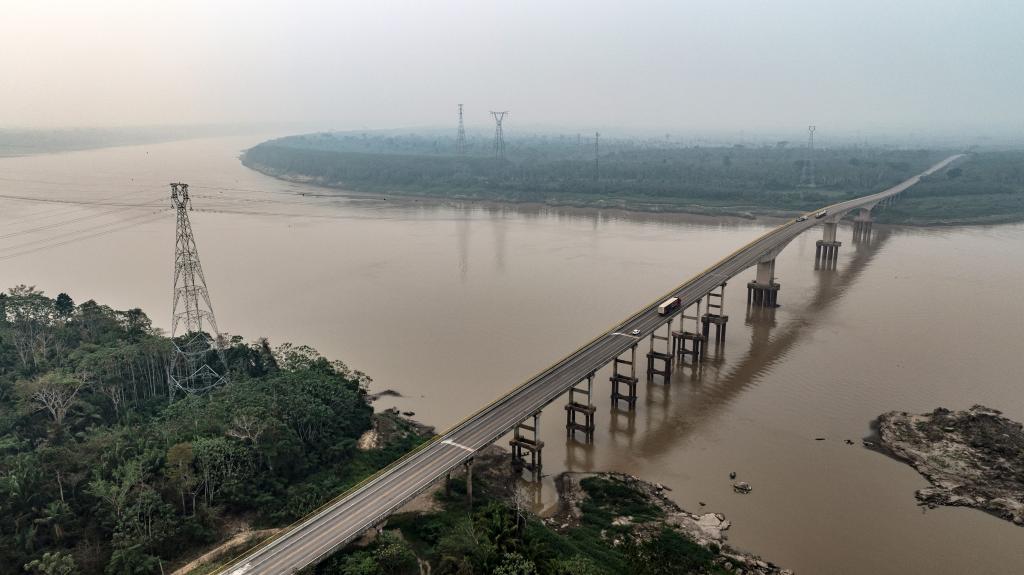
[{"x": 941, "y": 66}]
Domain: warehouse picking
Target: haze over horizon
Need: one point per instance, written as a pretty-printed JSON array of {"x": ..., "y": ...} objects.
[{"x": 941, "y": 67}]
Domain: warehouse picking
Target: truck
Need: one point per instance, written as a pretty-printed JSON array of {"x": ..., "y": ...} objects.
[{"x": 668, "y": 306}]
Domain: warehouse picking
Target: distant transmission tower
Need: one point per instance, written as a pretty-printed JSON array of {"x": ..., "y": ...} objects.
[
  {"x": 192, "y": 313},
  {"x": 460, "y": 143},
  {"x": 499, "y": 137},
  {"x": 807, "y": 174},
  {"x": 597, "y": 140}
]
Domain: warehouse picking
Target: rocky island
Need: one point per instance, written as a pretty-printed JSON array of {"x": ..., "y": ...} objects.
[{"x": 972, "y": 458}]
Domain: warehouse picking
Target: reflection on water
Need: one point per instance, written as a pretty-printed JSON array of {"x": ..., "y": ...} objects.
[{"x": 453, "y": 304}]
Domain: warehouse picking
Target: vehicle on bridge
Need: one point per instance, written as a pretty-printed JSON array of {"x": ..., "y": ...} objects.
[
  {"x": 821, "y": 214},
  {"x": 802, "y": 219},
  {"x": 668, "y": 306}
]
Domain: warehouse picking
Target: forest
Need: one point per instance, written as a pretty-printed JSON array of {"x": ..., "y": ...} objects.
[
  {"x": 495, "y": 536},
  {"x": 647, "y": 175},
  {"x": 101, "y": 473}
]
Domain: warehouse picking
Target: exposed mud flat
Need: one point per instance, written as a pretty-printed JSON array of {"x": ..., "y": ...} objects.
[{"x": 972, "y": 458}]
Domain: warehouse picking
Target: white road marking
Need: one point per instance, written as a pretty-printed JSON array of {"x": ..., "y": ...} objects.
[
  {"x": 241, "y": 569},
  {"x": 459, "y": 445},
  {"x": 625, "y": 334}
]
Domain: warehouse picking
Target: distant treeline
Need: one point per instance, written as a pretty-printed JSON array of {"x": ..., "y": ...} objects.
[
  {"x": 987, "y": 187},
  {"x": 652, "y": 175}
]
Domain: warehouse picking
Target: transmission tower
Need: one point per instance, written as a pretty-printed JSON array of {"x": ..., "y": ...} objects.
[
  {"x": 807, "y": 174},
  {"x": 499, "y": 137},
  {"x": 597, "y": 171},
  {"x": 460, "y": 143},
  {"x": 193, "y": 326}
]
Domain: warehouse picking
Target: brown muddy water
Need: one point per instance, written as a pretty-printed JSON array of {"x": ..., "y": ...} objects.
[{"x": 452, "y": 305}]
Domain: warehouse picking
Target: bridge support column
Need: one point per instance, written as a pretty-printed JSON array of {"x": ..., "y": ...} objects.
[
  {"x": 826, "y": 250},
  {"x": 665, "y": 358},
  {"x": 469, "y": 482},
  {"x": 580, "y": 409},
  {"x": 763, "y": 291},
  {"x": 619, "y": 380},
  {"x": 689, "y": 343},
  {"x": 862, "y": 226},
  {"x": 715, "y": 315},
  {"x": 527, "y": 442}
]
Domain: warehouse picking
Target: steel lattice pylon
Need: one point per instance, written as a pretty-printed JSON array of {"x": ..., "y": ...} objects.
[
  {"x": 460, "y": 142},
  {"x": 807, "y": 173},
  {"x": 194, "y": 330}
]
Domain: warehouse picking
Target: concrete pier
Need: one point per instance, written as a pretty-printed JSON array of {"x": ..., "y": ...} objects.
[
  {"x": 715, "y": 315},
  {"x": 687, "y": 343},
  {"x": 826, "y": 250},
  {"x": 526, "y": 439},
  {"x": 660, "y": 362},
  {"x": 764, "y": 291},
  {"x": 579, "y": 415},
  {"x": 620, "y": 380},
  {"x": 862, "y": 226},
  {"x": 469, "y": 481}
]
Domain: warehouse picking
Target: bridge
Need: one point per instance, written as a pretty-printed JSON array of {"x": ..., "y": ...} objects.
[{"x": 369, "y": 503}]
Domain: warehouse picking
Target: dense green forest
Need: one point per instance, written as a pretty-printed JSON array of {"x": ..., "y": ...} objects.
[
  {"x": 495, "y": 538},
  {"x": 648, "y": 175},
  {"x": 101, "y": 473}
]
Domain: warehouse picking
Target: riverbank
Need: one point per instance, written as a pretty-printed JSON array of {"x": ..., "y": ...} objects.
[
  {"x": 918, "y": 215},
  {"x": 604, "y": 523},
  {"x": 577, "y": 491},
  {"x": 972, "y": 458}
]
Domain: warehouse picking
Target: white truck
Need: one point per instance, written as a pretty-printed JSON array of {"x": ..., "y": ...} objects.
[{"x": 668, "y": 306}]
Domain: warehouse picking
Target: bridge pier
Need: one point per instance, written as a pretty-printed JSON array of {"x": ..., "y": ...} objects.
[
  {"x": 653, "y": 357},
  {"x": 862, "y": 226},
  {"x": 826, "y": 250},
  {"x": 763, "y": 291},
  {"x": 576, "y": 409},
  {"x": 689, "y": 343},
  {"x": 716, "y": 302},
  {"x": 529, "y": 442},
  {"x": 629, "y": 381},
  {"x": 469, "y": 482}
]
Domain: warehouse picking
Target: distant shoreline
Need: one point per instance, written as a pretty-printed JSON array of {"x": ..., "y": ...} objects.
[{"x": 656, "y": 212}]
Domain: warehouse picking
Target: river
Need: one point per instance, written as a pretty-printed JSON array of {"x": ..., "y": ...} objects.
[{"x": 452, "y": 305}]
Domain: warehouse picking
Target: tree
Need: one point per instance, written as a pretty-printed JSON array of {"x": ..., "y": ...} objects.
[
  {"x": 132, "y": 560},
  {"x": 64, "y": 306},
  {"x": 31, "y": 316},
  {"x": 394, "y": 556},
  {"x": 179, "y": 469},
  {"x": 55, "y": 563},
  {"x": 56, "y": 392},
  {"x": 516, "y": 564}
]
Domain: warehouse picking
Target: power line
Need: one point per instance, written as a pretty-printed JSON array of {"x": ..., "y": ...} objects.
[{"x": 80, "y": 238}]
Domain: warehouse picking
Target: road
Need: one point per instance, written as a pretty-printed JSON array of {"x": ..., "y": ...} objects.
[{"x": 347, "y": 517}]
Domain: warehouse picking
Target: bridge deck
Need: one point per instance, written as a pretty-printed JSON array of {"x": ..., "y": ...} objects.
[{"x": 347, "y": 517}]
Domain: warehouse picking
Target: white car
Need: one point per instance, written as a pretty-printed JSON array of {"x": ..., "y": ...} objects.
[
  {"x": 802, "y": 219},
  {"x": 635, "y": 332}
]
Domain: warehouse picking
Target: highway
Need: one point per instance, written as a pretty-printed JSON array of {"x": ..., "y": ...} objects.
[{"x": 348, "y": 516}]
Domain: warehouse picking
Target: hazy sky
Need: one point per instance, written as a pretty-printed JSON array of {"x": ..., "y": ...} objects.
[{"x": 893, "y": 65}]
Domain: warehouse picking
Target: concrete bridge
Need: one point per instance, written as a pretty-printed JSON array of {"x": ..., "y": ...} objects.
[{"x": 701, "y": 305}]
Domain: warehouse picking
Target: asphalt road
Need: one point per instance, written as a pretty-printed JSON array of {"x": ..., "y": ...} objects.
[{"x": 349, "y": 516}]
